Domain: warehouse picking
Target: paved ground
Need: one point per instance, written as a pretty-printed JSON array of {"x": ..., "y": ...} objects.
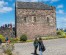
[{"x": 53, "y": 47}]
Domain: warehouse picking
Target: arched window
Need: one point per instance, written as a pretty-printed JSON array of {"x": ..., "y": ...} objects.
[
  {"x": 34, "y": 19},
  {"x": 48, "y": 19},
  {"x": 24, "y": 19}
]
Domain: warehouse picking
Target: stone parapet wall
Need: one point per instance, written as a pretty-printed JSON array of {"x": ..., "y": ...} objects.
[{"x": 6, "y": 32}]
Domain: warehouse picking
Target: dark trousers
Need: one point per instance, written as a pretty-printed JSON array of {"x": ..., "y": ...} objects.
[
  {"x": 35, "y": 50},
  {"x": 0, "y": 43}
]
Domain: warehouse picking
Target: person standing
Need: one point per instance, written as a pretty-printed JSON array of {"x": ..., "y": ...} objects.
[
  {"x": 6, "y": 39},
  {"x": 0, "y": 41},
  {"x": 41, "y": 46},
  {"x": 35, "y": 46}
]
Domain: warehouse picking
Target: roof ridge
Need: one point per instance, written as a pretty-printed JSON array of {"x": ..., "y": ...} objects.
[{"x": 33, "y": 5}]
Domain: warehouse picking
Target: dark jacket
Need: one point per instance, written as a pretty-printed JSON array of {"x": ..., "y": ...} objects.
[
  {"x": 36, "y": 43},
  {"x": 41, "y": 46},
  {"x": 0, "y": 41},
  {"x": 40, "y": 42}
]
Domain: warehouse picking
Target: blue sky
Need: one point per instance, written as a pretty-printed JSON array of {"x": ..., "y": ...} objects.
[{"x": 7, "y": 11}]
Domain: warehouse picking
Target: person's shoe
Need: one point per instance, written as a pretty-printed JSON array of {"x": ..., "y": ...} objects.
[{"x": 35, "y": 54}]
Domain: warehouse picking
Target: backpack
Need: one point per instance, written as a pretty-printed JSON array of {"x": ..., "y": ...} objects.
[{"x": 43, "y": 47}]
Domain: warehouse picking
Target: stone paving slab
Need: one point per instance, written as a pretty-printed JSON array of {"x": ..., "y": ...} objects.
[{"x": 53, "y": 47}]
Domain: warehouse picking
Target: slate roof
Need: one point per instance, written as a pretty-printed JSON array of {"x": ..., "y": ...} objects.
[{"x": 33, "y": 5}]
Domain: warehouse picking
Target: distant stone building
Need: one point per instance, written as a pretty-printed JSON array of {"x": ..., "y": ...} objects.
[{"x": 35, "y": 19}]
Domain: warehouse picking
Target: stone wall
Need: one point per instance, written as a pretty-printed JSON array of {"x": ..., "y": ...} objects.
[
  {"x": 6, "y": 32},
  {"x": 35, "y": 22}
]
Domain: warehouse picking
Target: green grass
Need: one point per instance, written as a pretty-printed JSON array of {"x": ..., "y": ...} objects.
[
  {"x": 44, "y": 38},
  {"x": 52, "y": 37},
  {"x": 47, "y": 38}
]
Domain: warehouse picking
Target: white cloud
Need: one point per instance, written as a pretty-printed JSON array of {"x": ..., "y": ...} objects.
[
  {"x": 61, "y": 22},
  {"x": 65, "y": 19},
  {"x": 60, "y": 11},
  {"x": 34, "y": 0},
  {"x": 38, "y": 0},
  {"x": 60, "y": 6},
  {"x": 4, "y": 8},
  {"x": 29, "y": 0},
  {"x": 2, "y": 3},
  {"x": 54, "y": 0}
]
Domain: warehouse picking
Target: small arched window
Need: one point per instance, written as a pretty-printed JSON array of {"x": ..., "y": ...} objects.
[
  {"x": 34, "y": 19},
  {"x": 24, "y": 19},
  {"x": 48, "y": 19}
]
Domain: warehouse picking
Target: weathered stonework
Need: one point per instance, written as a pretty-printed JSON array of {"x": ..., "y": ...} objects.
[
  {"x": 6, "y": 32},
  {"x": 34, "y": 22}
]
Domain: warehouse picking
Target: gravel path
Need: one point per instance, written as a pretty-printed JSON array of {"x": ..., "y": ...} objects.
[{"x": 53, "y": 47}]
